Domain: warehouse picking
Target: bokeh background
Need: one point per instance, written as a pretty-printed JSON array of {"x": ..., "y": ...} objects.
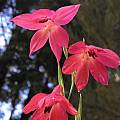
[{"x": 21, "y": 77}]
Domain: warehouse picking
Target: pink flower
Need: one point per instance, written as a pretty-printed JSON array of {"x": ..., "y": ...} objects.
[
  {"x": 53, "y": 106},
  {"x": 48, "y": 23},
  {"x": 89, "y": 58}
]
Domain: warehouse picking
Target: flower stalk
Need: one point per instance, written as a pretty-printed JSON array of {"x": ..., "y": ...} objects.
[
  {"x": 79, "y": 116},
  {"x": 72, "y": 84},
  {"x": 60, "y": 79},
  {"x": 65, "y": 51}
]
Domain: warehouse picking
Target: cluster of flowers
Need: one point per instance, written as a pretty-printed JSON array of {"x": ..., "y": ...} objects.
[{"x": 84, "y": 58}]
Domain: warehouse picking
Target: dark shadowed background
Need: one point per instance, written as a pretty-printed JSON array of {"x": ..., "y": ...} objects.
[{"x": 21, "y": 77}]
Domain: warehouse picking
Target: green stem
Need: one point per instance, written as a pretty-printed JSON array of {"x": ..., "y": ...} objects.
[
  {"x": 65, "y": 52},
  {"x": 72, "y": 85},
  {"x": 60, "y": 78},
  {"x": 79, "y": 116}
]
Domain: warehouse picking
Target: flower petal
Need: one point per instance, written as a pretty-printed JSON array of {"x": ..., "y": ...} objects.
[
  {"x": 39, "y": 115},
  {"x": 44, "y": 12},
  {"x": 82, "y": 76},
  {"x": 58, "y": 113},
  {"x": 58, "y": 39},
  {"x": 66, "y": 105},
  {"x": 38, "y": 40},
  {"x": 99, "y": 72},
  {"x": 50, "y": 99},
  {"x": 108, "y": 58},
  {"x": 28, "y": 21},
  {"x": 76, "y": 48},
  {"x": 71, "y": 64},
  {"x": 57, "y": 90},
  {"x": 33, "y": 104},
  {"x": 65, "y": 14}
]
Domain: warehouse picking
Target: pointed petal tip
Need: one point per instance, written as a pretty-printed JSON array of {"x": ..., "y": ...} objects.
[
  {"x": 79, "y": 89},
  {"x": 77, "y": 5},
  {"x": 105, "y": 84},
  {"x": 30, "y": 54},
  {"x": 25, "y": 111},
  {"x": 57, "y": 89},
  {"x": 76, "y": 112},
  {"x": 11, "y": 20}
]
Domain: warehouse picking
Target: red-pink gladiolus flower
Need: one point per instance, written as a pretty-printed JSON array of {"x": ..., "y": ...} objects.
[
  {"x": 89, "y": 58},
  {"x": 48, "y": 23},
  {"x": 52, "y": 106}
]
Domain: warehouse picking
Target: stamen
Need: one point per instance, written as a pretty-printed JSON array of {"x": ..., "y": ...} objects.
[
  {"x": 92, "y": 53},
  {"x": 44, "y": 20}
]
